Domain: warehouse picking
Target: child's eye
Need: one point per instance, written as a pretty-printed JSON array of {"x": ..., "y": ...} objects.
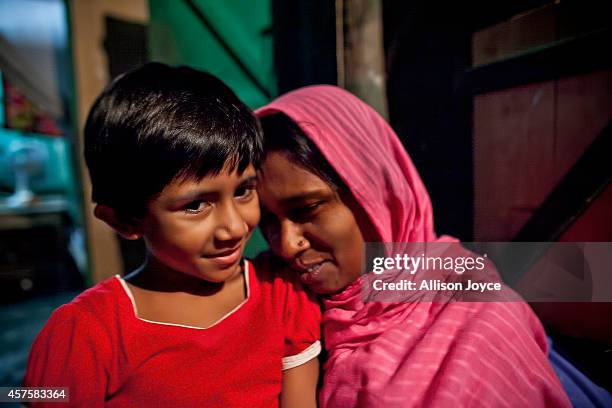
[
  {"x": 245, "y": 191},
  {"x": 196, "y": 207}
]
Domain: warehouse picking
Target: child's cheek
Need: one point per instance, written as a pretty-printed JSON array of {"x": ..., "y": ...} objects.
[{"x": 252, "y": 214}]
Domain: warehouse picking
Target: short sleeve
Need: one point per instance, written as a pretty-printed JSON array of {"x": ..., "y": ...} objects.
[
  {"x": 302, "y": 325},
  {"x": 71, "y": 351}
]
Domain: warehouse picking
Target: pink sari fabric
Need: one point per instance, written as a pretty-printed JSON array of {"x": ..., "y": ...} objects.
[{"x": 411, "y": 353}]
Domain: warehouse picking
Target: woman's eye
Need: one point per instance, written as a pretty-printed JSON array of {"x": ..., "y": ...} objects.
[
  {"x": 305, "y": 211},
  {"x": 196, "y": 207}
]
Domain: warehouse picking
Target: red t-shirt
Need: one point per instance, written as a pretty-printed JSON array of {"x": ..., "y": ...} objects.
[{"x": 107, "y": 356}]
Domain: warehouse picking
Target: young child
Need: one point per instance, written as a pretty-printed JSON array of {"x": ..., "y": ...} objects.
[{"x": 172, "y": 154}]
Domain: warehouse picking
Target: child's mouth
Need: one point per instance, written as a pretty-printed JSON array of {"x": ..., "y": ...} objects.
[{"x": 227, "y": 258}]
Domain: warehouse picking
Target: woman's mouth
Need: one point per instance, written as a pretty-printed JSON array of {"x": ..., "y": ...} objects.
[{"x": 311, "y": 273}]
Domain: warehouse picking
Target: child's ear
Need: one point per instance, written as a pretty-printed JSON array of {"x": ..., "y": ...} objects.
[{"x": 109, "y": 216}]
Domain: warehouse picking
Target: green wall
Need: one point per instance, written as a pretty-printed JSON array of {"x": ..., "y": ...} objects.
[{"x": 178, "y": 37}]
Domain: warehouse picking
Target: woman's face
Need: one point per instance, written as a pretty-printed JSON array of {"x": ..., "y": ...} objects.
[{"x": 309, "y": 225}]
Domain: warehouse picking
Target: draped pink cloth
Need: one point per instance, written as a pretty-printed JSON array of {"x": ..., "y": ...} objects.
[{"x": 404, "y": 354}]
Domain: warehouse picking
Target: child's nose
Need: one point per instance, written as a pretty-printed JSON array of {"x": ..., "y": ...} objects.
[{"x": 231, "y": 226}]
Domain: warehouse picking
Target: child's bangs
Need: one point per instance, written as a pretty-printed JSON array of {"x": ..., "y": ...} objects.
[{"x": 217, "y": 154}]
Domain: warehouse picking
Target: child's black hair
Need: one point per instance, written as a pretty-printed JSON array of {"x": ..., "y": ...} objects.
[
  {"x": 283, "y": 135},
  {"x": 157, "y": 124}
]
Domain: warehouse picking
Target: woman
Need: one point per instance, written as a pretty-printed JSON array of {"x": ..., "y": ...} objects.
[{"x": 336, "y": 176}]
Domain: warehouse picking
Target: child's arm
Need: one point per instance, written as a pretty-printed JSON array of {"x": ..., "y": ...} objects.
[
  {"x": 302, "y": 347},
  {"x": 301, "y": 318},
  {"x": 300, "y": 385}
]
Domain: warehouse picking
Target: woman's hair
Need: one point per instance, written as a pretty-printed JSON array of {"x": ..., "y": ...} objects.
[
  {"x": 157, "y": 124},
  {"x": 283, "y": 135}
]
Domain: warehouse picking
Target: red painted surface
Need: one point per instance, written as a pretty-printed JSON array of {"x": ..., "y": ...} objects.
[{"x": 525, "y": 141}]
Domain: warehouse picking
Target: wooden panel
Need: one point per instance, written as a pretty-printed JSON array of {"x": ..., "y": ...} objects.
[
  {"x": 595, "y": 224},
  {"x": 579, "y": 17},
  {"x": 365, "y": 60},
  {"x": 581, "y": 319},
  {"x": 517, "y": 35},
  {"x": 513, "y": 158},
  {"x": 584, "y": 108},
  {"x": 89, "y": 61}
]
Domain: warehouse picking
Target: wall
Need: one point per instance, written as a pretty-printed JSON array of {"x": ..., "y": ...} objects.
[
  {"x": 179, "y": 36},
  {"x": 527, "y": 137},
  {"x": 90, "y": 72}
]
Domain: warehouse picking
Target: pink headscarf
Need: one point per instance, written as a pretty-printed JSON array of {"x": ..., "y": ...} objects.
[{"x": 411, "y": 353}]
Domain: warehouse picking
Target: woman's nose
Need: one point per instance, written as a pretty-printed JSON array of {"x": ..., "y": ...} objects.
[{"x": 291, "y": 240}]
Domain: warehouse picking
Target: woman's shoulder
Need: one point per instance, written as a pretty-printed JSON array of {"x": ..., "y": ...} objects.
[{"x": 508, "y": 326}]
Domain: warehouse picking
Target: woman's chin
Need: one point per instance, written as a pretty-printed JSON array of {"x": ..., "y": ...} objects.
[{"x": 326, "y": 288}]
